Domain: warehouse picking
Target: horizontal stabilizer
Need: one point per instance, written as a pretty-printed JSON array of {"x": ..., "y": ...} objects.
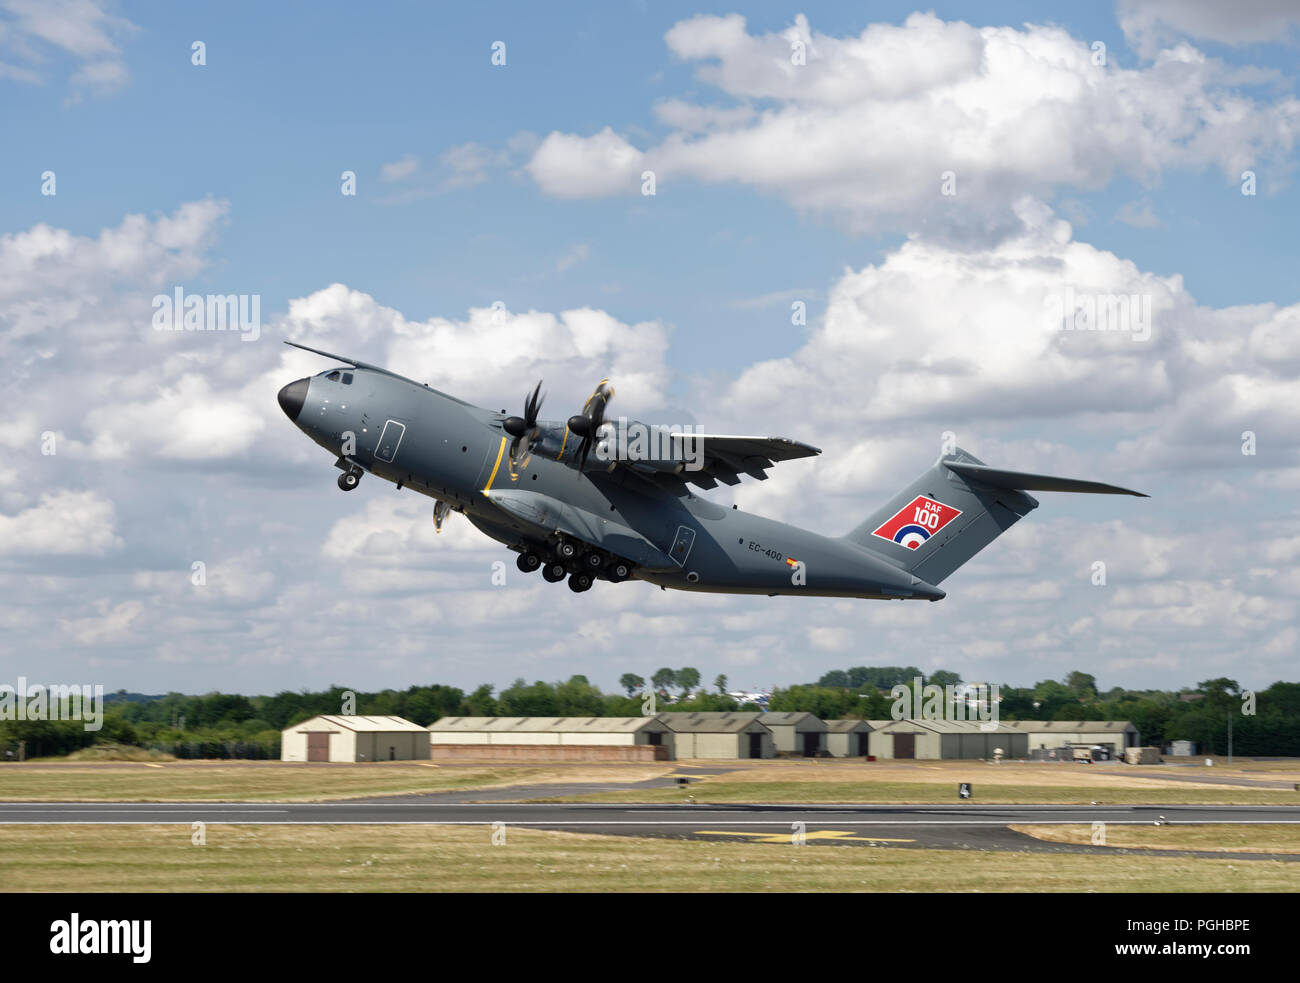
[
  {"x": 954, "y": 510},
  {"x": 1020, "y": 481}
]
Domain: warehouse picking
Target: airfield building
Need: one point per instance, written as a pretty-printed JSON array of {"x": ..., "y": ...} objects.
[
  {"x": 937, "y": 739},
  {"x": 567, "y": 738},
  {"x": 350, "y": 737},
  {"x": 720, "y": 735},
  {"x": 1117, "y": 735},
  {"x": 794, "y": 732},
  {"x": 848, "y": 738}
]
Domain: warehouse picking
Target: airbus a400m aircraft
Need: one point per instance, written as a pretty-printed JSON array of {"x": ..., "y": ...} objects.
[{"x": 537, "y": 487}]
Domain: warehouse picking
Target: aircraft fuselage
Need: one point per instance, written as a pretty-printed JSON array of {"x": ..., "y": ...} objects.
[{"x": 452, "y": 451}]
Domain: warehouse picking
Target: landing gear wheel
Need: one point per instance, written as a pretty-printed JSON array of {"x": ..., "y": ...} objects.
[
  {"x": 348, "y": 480},
  {"x": 553, "y": 573},
  {"x": 528, "y": 562},
  {"x": 619, "y": 570},
  {"x": 593, "y": 561},
  {"x": 566, "y": 550},
  {"x": 580, "y": 582}
]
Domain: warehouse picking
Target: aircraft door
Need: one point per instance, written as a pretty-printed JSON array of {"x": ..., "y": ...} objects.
[
  {"x": 390, "y": 440},
  {"x": 682, "y": 544}
]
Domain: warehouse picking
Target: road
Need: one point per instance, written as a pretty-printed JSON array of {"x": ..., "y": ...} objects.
[{"x": 967, "y": 826}]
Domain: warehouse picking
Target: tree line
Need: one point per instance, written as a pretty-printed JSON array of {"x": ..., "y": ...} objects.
[{"x": 236, "y": 726}]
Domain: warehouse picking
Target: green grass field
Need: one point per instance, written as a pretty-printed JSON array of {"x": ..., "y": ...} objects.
[{"x": 407, "y": 858}]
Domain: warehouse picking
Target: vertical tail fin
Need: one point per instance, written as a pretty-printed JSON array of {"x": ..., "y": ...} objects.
[{"x": 954, "y": 510}]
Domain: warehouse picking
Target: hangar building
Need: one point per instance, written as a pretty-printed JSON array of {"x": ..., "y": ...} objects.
[
  {"x": 351, "y": 737},
  {"x": 796, "y": 732},
  {"x": 578, "y": 738},
  {"x": 715, "y": 734},
  {"x": 1120, "y": 734},
  {"x": 934, "y": 739},
  {"x": 848, "y": 738}
]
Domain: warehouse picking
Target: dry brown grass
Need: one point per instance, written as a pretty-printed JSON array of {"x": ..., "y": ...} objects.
[
  {"x": 414, "y": 858},
  {"x": 987, "y": 773},
  {"x": 204, "y": 781},
  {"x": 1264, "y": 838}
]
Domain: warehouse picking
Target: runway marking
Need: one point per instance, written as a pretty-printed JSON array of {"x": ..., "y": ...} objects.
[{"x": 821, "y": 834}]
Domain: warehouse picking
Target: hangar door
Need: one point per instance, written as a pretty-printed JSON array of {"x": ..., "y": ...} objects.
[
  {"x": 756, "y": 745},
  {"x": 904, "y": 745},
  {"x": 318, "y": 746}
]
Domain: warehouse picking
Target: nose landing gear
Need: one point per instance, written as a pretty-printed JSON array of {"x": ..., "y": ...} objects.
[{"x": 349, "y": 480}]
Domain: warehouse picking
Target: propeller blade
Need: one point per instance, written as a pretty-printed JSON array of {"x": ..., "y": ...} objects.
[
  {"x": 524, "y": 429},
  {"x": 533, "y": 404},
  {"x": 587, "y": 424}
]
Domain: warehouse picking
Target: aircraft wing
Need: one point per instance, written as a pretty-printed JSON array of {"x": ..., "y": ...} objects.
[{"x": 728, "y": 458}]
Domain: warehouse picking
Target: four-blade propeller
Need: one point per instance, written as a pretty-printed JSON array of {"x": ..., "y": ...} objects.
[
  {"x": 587, "y": 424},
  {"x": 524, "y": 429}
]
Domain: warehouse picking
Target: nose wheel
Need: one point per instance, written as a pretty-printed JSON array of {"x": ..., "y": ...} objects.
[{"x": 349, "y": 480}]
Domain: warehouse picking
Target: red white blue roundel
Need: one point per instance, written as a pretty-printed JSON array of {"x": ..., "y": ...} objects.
[{"x": 916, "y": 522}]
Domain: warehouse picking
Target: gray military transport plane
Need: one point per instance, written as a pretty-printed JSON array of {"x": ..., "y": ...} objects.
[{"x": 629, "y": 511}]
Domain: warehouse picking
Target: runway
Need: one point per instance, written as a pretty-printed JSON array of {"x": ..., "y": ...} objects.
[{"x": 966, "y": 826}]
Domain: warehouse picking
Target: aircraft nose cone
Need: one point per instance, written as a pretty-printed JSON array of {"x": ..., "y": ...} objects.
[{"x": 291, "y": 398}]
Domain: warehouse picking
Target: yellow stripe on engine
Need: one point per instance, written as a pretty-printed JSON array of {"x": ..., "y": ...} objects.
[
  {"x": 492, "y": 477},
  {"x": 562, "y": 444}
]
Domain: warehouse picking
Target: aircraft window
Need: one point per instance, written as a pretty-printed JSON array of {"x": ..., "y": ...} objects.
[
  {"x": 333, "y": 376},
  {"x": 347, "y": 378}
]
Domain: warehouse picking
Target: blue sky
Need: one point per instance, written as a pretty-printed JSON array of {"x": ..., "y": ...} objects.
[{"x": 292, "y": 95}]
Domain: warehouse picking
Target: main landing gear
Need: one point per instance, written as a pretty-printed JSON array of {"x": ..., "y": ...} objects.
[{"x": 582, "y": 567}]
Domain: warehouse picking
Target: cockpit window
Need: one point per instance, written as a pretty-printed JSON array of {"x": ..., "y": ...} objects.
[
  {"x": 347, "y": 378},
  {"x": 333, "y": 376}
]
